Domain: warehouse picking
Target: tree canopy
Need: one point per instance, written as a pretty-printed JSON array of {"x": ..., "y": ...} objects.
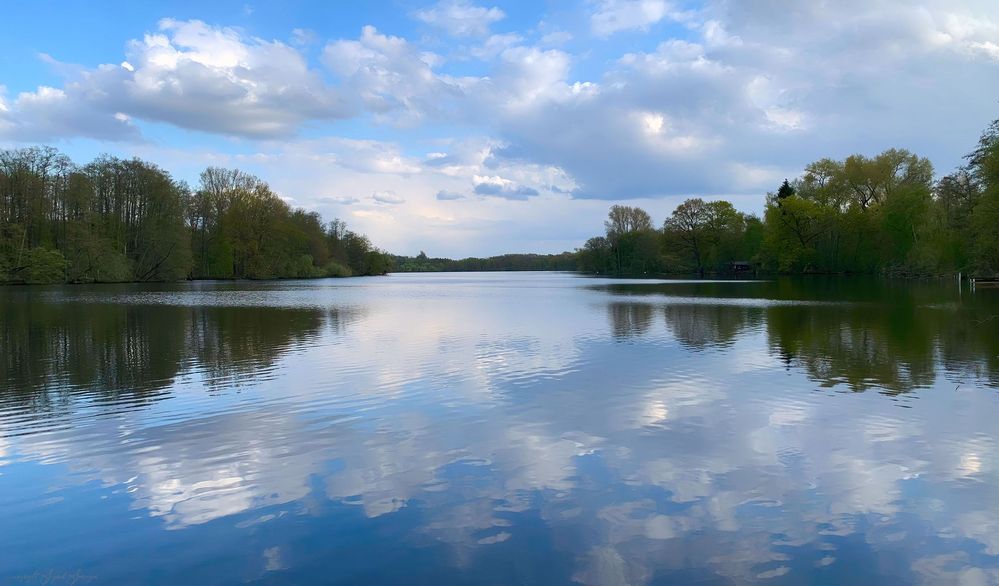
[
  {"x": 129, "y": 220},
  {"x": 882, "y": 214}
]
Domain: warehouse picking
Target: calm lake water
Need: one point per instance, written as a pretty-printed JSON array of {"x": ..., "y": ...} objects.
[{"x": 500, "y": 429}]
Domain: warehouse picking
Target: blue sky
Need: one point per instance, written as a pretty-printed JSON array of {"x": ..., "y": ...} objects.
[{"x": 462, "y": 127}]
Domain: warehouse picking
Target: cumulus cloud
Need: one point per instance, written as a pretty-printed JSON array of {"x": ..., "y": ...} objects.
[
  {"x": 198, "y": 76},
  {"x": 613, "y": 16},
  {"x": 391, "y": 77},
  {"x": 527, "y": 76},
  {"x": 731, "y": 98},
  {"x": 460, "y": 18},
  {"x": 755, "y": 92},
  {"x": 650, "y": 128},
  {"x": 188, "y": 74},
  {"x": 51, "y": 113}
]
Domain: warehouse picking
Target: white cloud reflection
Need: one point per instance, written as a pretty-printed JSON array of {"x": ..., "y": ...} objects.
[{"x": 541, "y": 406}]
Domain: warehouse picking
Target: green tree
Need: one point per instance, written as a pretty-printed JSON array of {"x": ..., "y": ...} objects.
[
  {"x": 596, "y": 256},
  {"x": 794, "y": 227},
  {"x": 632, "y": 240},
  {"x": 128, "y": 220},
  {"x": 785, "y": 191},
  {"x": 708, "y": 234},
  {"x": 983, "y": 164}
]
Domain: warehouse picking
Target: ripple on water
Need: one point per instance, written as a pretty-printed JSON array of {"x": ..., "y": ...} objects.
[{"x": 633, "y": 432}]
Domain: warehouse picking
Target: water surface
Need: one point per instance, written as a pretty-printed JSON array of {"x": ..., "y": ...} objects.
[{"x": 500, "y": 428}]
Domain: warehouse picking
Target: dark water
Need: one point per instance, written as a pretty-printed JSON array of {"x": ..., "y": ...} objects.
[{"x": 500, "y": 429}]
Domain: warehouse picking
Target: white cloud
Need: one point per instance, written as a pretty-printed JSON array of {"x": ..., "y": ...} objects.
[
  {"x": 460, "y": 18},
  {"x": 337, "y": 177},
  {"x": 388, "y": 197},
  {"x": 733, "y": 478},
  {"x": 52, "y": 113},
  {"x": 391, "y": 77},
  {"x": 367, "y": 156},
  {"x": 525, "y": 76},
  {"x": 497, "y": 186},
  {"x": 613, "y": 16},
  {"x": 495, "y": 45},
  {"x": 191, "y": 75},
  {"x": 760, "y": 90},
  {"x": 209, "y": 78},
  {"x": 747, "y": 93}
]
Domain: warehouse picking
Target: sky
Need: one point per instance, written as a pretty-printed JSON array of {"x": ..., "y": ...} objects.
[{"x": 465, "y": 127}]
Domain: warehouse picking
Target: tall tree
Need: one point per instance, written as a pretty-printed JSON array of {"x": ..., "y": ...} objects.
[
  {"x": 709, "y": 234},
  {"x": 631, "y": 237}
]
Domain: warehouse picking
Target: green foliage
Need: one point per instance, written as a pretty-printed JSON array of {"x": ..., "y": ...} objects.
[
  {"x": 638, "y": 252},
  {"x": 127, "y": 220},
  {"x": 793, "y": 227},
  {"x": 984, "y": 168},
  {"x": 881, "y": 214},
  {"x": 985, "y": 226},
  {"x": 376, "y": 262},
  {"x": 632, "y": 240},
  {"x": 43, "y": 266},
  {"x": 335, "y": 269},
  {"x": 698, "y": 237},
  {"x": 92, "y": 258},
  {"x": 596, "y": 256},
  {"x": 708, "y": 236},
  {"x": 858, "y": 215},
  {"x": 786, "y": 190},
  {"x": 565, "y": 261}
]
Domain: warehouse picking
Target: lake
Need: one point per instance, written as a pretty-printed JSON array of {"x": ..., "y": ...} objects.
[{"x": 500, "y": 428}]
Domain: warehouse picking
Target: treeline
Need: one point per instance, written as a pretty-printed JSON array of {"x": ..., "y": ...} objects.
[
  {"x": 116, "y": 220},
  {"x": 421, "y": 263},
  {"x": 883, "y": 214},
  {"x": 699, "y": 237}
]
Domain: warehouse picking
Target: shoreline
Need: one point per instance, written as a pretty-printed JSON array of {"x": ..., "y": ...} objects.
[{"x": 962, "y": 277}]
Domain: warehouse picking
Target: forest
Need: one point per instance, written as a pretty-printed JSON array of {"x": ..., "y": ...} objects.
[
  {"x": 875, "y": 215},
  {"x": 420, "y": 263},
  {"x": 115, "y": 220}
]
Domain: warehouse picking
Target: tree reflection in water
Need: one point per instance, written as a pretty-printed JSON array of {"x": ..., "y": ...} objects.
[{"x": 859, "y": 333}]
